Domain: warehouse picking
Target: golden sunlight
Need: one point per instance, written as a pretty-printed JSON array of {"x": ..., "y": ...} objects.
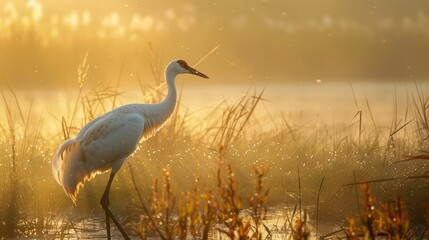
[{"x": 244, "y": 119}]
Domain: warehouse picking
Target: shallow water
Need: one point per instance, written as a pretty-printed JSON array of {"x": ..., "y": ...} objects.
[
  {"x": 321, "y": 103},
  {"x": 276, "y": 221},
  {"x": 326, "y": 103}
]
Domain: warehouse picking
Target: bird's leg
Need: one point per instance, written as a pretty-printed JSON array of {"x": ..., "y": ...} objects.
[
  {"x": 105, "y": 205},
  {"x": 108, "y": 226},
  {"x": 104, "y": 202}
]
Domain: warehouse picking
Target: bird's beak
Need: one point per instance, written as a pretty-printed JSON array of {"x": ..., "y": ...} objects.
[{"x": 195, "y": 72}]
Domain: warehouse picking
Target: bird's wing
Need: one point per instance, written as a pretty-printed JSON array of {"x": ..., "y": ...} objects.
[
  {"x": 88, "y": 125},
  {"x": 104, "y": 145},
  {"x": 59, "y": 157},
  {"x": 68, "y": 169},
  {"x": 112, "y": 139}
]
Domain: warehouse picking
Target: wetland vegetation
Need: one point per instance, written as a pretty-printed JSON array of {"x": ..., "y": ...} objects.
[{"x": 232, "y": 167}]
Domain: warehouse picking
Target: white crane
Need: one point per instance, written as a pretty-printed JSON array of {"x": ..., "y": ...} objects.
[{"x": 107, "y": 141}]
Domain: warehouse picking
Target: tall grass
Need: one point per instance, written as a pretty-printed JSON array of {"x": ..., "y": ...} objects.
[
  {"x": 196, "y": 195},
  {"x": 202, "y": 214},
  {"x": 21, "y": 144},
  {"x": 388, "y": 220}
]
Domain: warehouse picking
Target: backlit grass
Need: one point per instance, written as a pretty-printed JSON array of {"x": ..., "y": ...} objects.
[{"x": 178, "y": 177}]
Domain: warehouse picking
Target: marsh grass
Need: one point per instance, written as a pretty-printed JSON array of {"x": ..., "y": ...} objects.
[
  {"x": 209, "y": 175},
  {"x": 20, "y": 151},
  {"x": 207, "y": 167},
  {"x": 389, "y": 220},
  {"x": 202, "y": 214}
]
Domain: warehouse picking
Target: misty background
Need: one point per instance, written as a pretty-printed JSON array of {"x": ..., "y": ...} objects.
[
  {"x": 334, "y": 88},
  {"x": 260, "y": 41}
]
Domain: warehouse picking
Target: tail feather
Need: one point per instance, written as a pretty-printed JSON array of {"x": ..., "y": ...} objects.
[{"x": 70, "y": 168}]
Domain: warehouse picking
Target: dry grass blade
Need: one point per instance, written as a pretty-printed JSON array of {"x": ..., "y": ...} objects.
[
  {"x": 424, "y": 156},
  {"x": 318, "y": 204},
  {"x": 299, "y": 194},
  {"x": 7, "y": 110},
  {"x": 354, "y": 96},
  {"x": 399, "y": 128},
  {"x": 359, "y": 113},
  {"x": 370, "y": 181},
  {"x": 65, "y": 128},
  {"x": 291, "y": 131},
  {"x": 207, "y": 55},
  {"x": 370, "y": 113},
  {"x": 424, "y": 176},
  {"x": 356, "y": 191}
]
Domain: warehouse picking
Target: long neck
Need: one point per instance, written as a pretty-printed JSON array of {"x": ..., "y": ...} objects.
[
  {"x": 168, "y": 104},
  {"x": 160, "y": 112}
]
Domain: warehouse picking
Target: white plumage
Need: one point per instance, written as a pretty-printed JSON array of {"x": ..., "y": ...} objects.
[{"x": 107, "y": 141}]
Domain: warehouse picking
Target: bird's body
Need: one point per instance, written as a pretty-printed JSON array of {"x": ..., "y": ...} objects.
[
  {"x": 104, "y": 144},
  {"x": 107, "y": 141}
]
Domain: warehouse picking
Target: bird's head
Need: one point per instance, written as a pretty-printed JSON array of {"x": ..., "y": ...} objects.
[{"x": 180, "y": 67}]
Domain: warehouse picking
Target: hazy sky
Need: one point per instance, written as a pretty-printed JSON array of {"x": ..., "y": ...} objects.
[{"x": 260, "y": 40}]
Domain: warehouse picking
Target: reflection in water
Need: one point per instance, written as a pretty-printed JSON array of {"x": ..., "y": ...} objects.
[
  {"x": 91, "y": 228},
  {"x": 277, "y": 225}
]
